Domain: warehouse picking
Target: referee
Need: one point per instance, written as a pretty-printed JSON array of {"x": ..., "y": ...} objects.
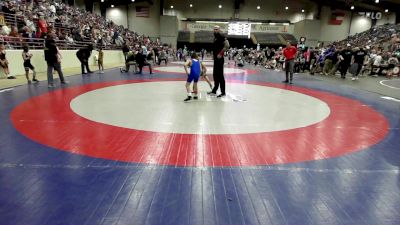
[{"x": 220, "y": 45}]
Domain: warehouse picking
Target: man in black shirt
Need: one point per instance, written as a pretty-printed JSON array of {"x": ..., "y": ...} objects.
[
  {"x": 345, "y": 61},
  {"x": 125, "y": 50},
  {"x": 313, "y": 60},
  {"x": 202, "y": 54},
  {"x": 359, "y": 58},
  {"x": 156, "y": 54},
  {"x": 83, "y": 55},
  {"x": 141, "y": 61},
  {"x": 220, "y": 45},
  {"x": 53, "y": 59}
]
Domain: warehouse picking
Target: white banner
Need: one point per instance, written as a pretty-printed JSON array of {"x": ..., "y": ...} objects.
[
  {"x": 193, "y": 27},
  {"x": 261, "y": 28},
  {"x": 268, "y": 28}
]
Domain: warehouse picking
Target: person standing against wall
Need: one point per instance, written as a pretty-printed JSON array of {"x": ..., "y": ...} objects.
[
  {"x": 220, "y": 45},
  {"x": 290, "y": 54}
]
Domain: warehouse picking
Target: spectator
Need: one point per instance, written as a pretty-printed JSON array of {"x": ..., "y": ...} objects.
[
  {"x": 42, "y": 24},
  {"x": 4, "y": 62},
  {"x": 7, "y": 9},
  {"x": 328, "y": 60},
  {"x": 335, "y": 61},
  {"x": 376, "y": 63},
  {"x": 100, "y": 60},
  {"x": 83, "y": 55},
  {"x": 163, "y": 57},
  {"x": 393, "y": 62},
  {"x": 29, "y": 23},
  {"x": 345, "y": 61},
  {"x": 141, "y": 61},
  {"x": 125, "y": 50},
  {"x": 69, "y": 39},
  {"x": 130, "y": 60},
  {"x": 5, "y": 30},
  {"x": 359, "y": 56},
  {"x": 53, "y": 59}
]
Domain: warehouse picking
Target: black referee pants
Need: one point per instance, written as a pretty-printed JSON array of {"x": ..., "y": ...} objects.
[{"x": 218, "y": 75}]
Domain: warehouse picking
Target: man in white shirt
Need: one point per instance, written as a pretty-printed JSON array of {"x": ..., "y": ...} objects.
[{"x": 376, "y": 63}]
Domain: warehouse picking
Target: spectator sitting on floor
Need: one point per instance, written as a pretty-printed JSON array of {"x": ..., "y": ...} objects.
[
  {"x": 162, "y": 57},
  {"x": 393, "y": 62},
  {"x": 130, "y": 60},
  {"x": 141, "y": 61}
]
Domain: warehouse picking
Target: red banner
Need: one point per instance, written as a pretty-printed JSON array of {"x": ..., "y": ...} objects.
[{"x": 337, "y": 18}]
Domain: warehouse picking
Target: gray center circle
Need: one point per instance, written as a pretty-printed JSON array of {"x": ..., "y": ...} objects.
[{"x": 159, "y": 107}]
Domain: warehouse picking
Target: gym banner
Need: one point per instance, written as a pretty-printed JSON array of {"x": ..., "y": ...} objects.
[{"x": 259, "y": 28}]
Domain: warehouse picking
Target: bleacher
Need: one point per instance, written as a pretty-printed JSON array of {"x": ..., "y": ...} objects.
[
  {"x": 289, "y": 37},
  {"x": 18, "y": 21},
  {"x": 267, "y": 38},
  {"x": 204, "y": 37},
  {"x": 58, "y": 22},
  {"x": 184, "y": 36},
  {"x": 376, "y": 36}
]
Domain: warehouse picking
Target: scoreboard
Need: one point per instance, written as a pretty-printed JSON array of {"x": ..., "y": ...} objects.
[{"x": 242, "y": 29}]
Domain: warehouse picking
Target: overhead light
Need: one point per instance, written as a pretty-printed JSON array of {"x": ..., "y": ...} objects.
[
  {"x": 191, "y": 5},
  {"x": 102, "y": 0},
  {"x": 386, "y": 10},
  {"x": 112, "y": 6},
  {"x": 286, "y": 7},
  {"x": 286, "y": 24},
  {"x": 220, "y": 6},
  {"x": 352, "y": 7},
  {"x": 172, "y": 6},
  {"x": 258, "y": 7},
  {"x": 133, "y": 0},
  {"x": 272, "y": 23},
  {"x": 376, "y": 1},
  {"x": 302, "y": 10}
]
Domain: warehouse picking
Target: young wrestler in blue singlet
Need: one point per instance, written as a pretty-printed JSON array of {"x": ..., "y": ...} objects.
[{"x": 194, "y": 76}]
